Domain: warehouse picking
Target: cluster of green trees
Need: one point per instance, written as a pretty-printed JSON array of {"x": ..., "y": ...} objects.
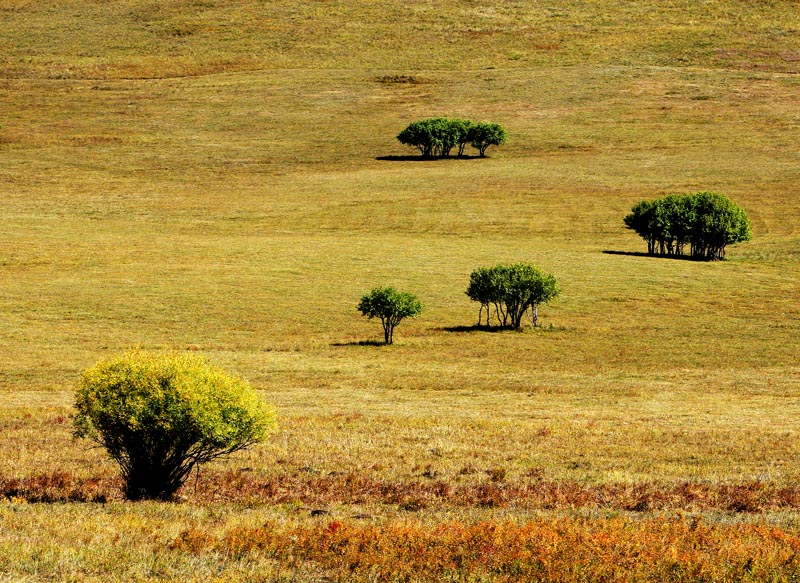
[
  {"x": 439, "y": 136},
  {"x": 700, "y": 225},
  {"x": 511, "y": 290}
]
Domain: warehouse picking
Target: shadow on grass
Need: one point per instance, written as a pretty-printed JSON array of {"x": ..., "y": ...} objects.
[
  {"x": 477, "y": 328},
  {"x": 360, "y": 343},
  {"x": 484, "y": 328},
  {"x": 425, "y": 158},
  {"x": 643, "y": 254}
]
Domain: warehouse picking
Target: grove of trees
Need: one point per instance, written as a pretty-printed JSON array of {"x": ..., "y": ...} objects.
[
  {"x": 439, "y": 136},
  {"x": 510, "y": 291},
  {"x": 160, "y": 415},
  {"x": 700, "y": 225}
]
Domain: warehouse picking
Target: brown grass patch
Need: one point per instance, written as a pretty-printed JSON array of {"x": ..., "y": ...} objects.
[
  {"x": 353, "y": 489},
  {"x": 60, "y": 486}
]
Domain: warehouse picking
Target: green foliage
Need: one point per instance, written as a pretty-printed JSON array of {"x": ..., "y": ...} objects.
[
  {"x": 486, "y": 134},
  {"x": 486, "y": 286},
  {"x": 418, "y": 135},
  {"x": 391, "y": 306},
  {"x": 511, "y": 290},
  {"x": 159, "y": 415},
  {"x": 437, "y": 136},
  {"x": 461, "y": 128},
  {"x": 705, "y": 221}
]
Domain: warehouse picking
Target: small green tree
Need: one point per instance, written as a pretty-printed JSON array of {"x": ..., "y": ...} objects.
[
  {"x": 485, "y": 134},
  {"x": 718, "y": 222},
  {"x": 391, "y": 306},
  {"x": 487, "y": 286},
  {"x": 160, "y": 415},
  {"x": 461, "y": 129},
  {"x": 641, "y": 221}
]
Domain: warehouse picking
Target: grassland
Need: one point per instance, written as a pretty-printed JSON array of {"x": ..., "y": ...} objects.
[{"x": 223, "y": 177}]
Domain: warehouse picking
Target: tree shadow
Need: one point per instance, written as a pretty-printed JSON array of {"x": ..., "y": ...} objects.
[
  {"x": 476, "y": 328},
  {"x": 650, "y": 255},
  {"x": 420, "y": 158},
  {"x": 360, "y": 343}
]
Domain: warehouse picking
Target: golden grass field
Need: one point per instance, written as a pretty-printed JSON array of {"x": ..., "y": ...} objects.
[{"x": 223, "y": 176}]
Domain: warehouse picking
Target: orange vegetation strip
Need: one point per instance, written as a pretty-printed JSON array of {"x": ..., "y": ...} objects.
[
  {"x": 534, "y": 493},
  {"x": 242, "y": 486},
  {"x": 557, "y": 549}
]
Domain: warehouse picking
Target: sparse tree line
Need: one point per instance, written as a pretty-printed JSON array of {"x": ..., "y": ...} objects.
[
  {"x": 437, "y": 137},
  {"x": 699, "y": 225},
  {"x": 508, "y": 291}
]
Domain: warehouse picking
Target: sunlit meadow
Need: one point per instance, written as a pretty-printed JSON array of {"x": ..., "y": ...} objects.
[{"x": 223, "y": 177}]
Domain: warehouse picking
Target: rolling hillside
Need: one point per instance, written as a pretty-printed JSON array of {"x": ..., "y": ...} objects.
[{"x": 223, "y": 176}]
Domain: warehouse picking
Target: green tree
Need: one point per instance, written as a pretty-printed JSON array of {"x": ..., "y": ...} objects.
[
  {"x": 160, "y": 415},
  {"x": 641, "y": 221},
  {"x": 418, "y": 135},
  {"x": 461, "y": 129},
  {"x": 527, "y": 287},
  {"x": 391, "y": 307},
  {"x": 487, "y": 287},
  {"x": 485, "y": 134},
  {"x": 718, "y": 222},
  {"x": 705, "y": 221}
]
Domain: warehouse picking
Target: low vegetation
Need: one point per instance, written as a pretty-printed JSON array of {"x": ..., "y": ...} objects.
[
  {"x": 160, "y": 415},
  {"x": 552, "y": 550}
]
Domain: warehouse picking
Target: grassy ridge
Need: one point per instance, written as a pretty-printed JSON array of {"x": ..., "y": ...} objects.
[
  {"x": 223, "y": 177},
  {"x": 135, "y": 39}
]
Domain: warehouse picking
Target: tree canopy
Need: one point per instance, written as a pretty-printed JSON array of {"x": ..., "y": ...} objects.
[
  {"x": 391, "y": 307},
  {"x": 511, "y": 290},
  {"x": 486, "y": 134},
  {"x": 438, "y": 136}
]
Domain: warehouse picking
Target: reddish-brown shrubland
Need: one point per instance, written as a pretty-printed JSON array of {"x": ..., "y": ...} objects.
[
  {"x": 357, "y": 489},
  {"x": 557, "y": 549}
]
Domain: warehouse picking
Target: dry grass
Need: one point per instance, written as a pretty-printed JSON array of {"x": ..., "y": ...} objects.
[
  {"x": 135, "y": 39},
  {"x": 223, "y": 177}
]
